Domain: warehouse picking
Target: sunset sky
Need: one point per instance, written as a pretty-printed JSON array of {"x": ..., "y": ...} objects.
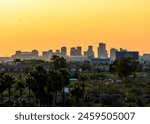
[{"x": 51, "y": 24}]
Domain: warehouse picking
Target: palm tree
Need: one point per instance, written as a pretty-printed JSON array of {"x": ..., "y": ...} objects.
[
  {"x": 60, "y": 75},
  {"x": 39, "y": 77},
  {"x": 20, "y": 86},
  {"x": 49, "y": 89},
  {"x": 29, "y": 83},
  {"x": 2, "y": 85},
  {"x": 83, "y": 80},
  {"x": 54, "y": 79},
  {"x": 65, "y": 76},
  {"x": 77, "y": 92},
  {"x": 9, "y": 81}
]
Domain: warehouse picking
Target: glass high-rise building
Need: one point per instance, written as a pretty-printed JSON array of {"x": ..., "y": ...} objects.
[
  {"x": 63, "y": 51},
  {"x": 113, "y": 53},
  {"x": 102, "y": 52}
]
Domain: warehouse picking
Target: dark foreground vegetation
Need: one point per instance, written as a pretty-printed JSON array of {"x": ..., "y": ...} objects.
[{"x": 47, "y": 84}]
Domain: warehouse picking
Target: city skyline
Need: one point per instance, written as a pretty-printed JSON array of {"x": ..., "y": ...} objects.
[
  {"x": 77, "y": 51},
  {"x": 44, "y": 24}
]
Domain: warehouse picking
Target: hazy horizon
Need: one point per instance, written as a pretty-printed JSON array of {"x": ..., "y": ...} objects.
[
  {"x": 51, "y": 24},
  {"x": 69, "y": 48}
]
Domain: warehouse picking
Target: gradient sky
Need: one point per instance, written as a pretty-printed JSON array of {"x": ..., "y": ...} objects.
[{"x": 50, "y": 24}]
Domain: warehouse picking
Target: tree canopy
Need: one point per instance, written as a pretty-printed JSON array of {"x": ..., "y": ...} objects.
[{"x": 124, "y": 67}]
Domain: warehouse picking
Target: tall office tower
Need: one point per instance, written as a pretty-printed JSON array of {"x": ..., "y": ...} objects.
[
  {"x": 89, "y": 53},
  {"x": 102, "y": 52},
  {"x": 90, "y": 48},
  {"x": 63, "y": 51},
  {"x": 85, "y": 53},
  {"x": 73, "y": 51},
  {"x": 113, "y": 54},
  {"x": 51, "y": 52},
  {"x": 79, "y": 51}
]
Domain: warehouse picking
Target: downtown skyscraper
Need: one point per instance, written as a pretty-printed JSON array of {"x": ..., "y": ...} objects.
[{"x": 102, "y": 52}]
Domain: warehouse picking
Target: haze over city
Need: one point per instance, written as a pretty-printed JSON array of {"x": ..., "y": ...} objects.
[{"x": 51, "y": 24}]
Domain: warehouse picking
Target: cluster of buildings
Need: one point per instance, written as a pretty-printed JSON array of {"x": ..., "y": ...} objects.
[{"x": 77, "y": 56}]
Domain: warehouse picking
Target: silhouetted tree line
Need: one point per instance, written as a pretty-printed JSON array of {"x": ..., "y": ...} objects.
[{"x": 43, "y": 85}]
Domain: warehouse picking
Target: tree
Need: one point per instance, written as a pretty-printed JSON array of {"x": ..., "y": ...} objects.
[
  {"x": 86, "y": 66},
  {"x": 83, "y": 79},
  {"x": 49, "y": 88},
  {"x": 39, "y": 78},
  {"x": 77, "y": 92},
  {"x": 54, "y": 84},
  {"x": 58, "y": 62},
  {"x": 2, "y": 85},
  {"x": 20, "y": 86},
  {"x": 46, "y": 84},
  {"x": 9, "y": 81},
  {"x": 61, "y": 75},
  {"x": 65, "y": 76},
  {"x": 134, "y": 67},
  {"x": 112, "y": 67},
  {"x": 124, "y": 67},
  {"x": 29, "y": 83}
]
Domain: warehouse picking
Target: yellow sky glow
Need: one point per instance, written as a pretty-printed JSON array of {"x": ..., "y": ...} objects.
[{"x": 50, "y": 24}]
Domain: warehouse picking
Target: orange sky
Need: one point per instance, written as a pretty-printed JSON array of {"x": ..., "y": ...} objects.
[{"x": 50, "y": 24}]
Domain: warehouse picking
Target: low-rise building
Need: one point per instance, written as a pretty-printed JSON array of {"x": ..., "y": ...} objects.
[
  {"x": 33, "y": 55},
  {"x": 77, "y": 59},
  {"x": 99, "y": 61},
  {"x": 127, "y": 54},
  {"x": 146, "y": 57}
]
